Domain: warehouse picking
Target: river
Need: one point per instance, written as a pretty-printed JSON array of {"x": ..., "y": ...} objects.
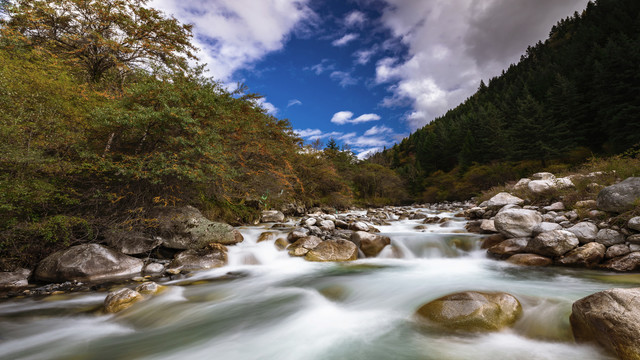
[{"x": 267, "y": 305}]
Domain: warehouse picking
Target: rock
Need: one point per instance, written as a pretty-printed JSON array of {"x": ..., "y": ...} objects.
[
  {"x": 585, "y": 231},
  {"x": 588, "y": 255},
  {"x": 502, "y": 199},
  {"x": 333, "y": 250},
  {"x": 131, "y": 242},
  {"x": 517, "y": 222},
  {"x": 271, "y": 216},
  {"x": 492, "y": 240},
  {"x": 634, "y": 223},
  {"x": 543, "y": 176},
  {"x": 154, "y": 268},
  {"x": 586, "y": 204},
  {"x": 472, "y": 311},
  {"x": 616, "y": 251},
  {"x": 609, "y": 237},
  {"x": 522, "y": 183},
  {"x": 302, "y": 246},
  {"x": 310, "y": 221},
  {"x": 634, "y": 239},
  {"x": 545, "y": 227},
  {"x": 610, "y": 318},
  {"x": 327, "y": 225},
  {"x": 619, "y": 197},
  {"x": 281, "y": 243},
  {"x": 488, "y": 226},
  {"x": 119, "y": 300},
  {"x": 210, "y": 257},
  {"x": 509, "y": 247},
  {"x": 564, "y": 183},
  {"x": 529, "y": 260},
  {"x": 14, "y": 279},
  {"x": 87, "y": 262},
  {"x": 340, "y": 224},
  {"x": 556, "y": 206},
  {"x": 370, "y": 244},
  {"x": 267, "y": 236},
  {"x": 297, "y": 234},
  {"x": 186, "y": 228},
  {"x": 553, "y": 243},
  {"x": 630, "y": 262},
  {"x": 359, "y": 226},
  {"x": 541, "y": 186},
  {"x": 149, "y": 288}
]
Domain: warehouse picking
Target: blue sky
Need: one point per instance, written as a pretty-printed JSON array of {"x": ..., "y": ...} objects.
[{"x": 364, "y": 72}]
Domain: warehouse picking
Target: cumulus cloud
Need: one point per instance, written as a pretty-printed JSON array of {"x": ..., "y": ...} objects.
[
  {"x": 355, "y": 18},
  {"x": 343, "y": 78},
  {"x": 269, "y": 107},
  {"x": 346, "y": 117},
  {"x": 345, "y": 39},
  {"x": 233, "y": 34},
  {"x": 293, "y": 102},
  {"x": 452, "y": 44},
  {"x": 376, "y": 130}
]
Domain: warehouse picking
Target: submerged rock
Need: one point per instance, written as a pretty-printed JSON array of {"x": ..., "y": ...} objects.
[
  {"x": 119, "y": 300},
  {"x": 529, "y": 260},
  {"x": 610, "y": 318},
  {"x": 472, "y": 311},
  {"x": 88, "y": 262},
  {"x": 333, "y": 250}
]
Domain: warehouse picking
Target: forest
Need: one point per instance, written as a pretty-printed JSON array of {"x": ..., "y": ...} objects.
[{"x": 572, "y": 97}]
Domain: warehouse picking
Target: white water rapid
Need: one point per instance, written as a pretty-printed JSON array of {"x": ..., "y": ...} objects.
[{"x": 267, "y": 305}]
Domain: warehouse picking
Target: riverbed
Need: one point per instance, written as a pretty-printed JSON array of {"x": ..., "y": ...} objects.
[{"x": 268, "y": 305}]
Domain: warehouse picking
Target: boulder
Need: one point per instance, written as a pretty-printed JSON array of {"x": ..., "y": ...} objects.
[
  {"x": 553, "y": 243},
  {"x": 186, "y": 228},
  {"x": 121, "y": 299},
  {"x": 281, "y": 243},
  {"x": 630, "y": 262},
  {"x": 522, "y": 183},
  {"x": 296, "y": 234},
  {"x": 359, "y": 226},
  {"x": 543, "y": 176},
  {"x": 509, "y": 247},
  {"x": 502, "y": 199},
  {"x": 586, "y": 204},
  {"x": 517, "y": 222},
  {"x": 616, "y": 251},
  {"x": 488, "y": 226},
  {"x": 132, "y": 242},
  {"x": 14, "y": 279},
  {"x": 302, "y": 246},
  {"x": 634, "y": 239},
  {"x": 492, "y": 240},
  {"x": 585, "y": 231},
  {"x": 541, "y": 186},
  {"x": 619, "y": 197},
  {"x": 472, "y": 311},
  {"x": 370, "y": 244},
  {"x": 327, "y": 225},
  {"x": 154, "y": 268},
  {"x": 149, "y": 288},
  {"x": 267, "y": 236},
  {"x": 271, "y": 216},
  {"x": 609, "y": 237},
  {"x": 556, "y": 206},
  {"x": 634, "y": 223},
  {"x": 529, "y": 260},
  {"x": 87, "y": 262},
  {"x": 588, "y": 255},
  {"x": 212, "y": 256},
  {"x": 333, "y": 250},
  {"x": 610, "y": 318}
]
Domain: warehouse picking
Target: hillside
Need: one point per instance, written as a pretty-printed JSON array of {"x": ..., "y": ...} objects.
[{"x": 575, "y": 95}]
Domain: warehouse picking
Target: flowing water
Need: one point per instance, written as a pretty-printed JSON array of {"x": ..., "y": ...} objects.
[{"x": 267, "y": 305}]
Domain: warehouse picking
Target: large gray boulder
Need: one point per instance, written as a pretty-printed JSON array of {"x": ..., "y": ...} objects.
[
  {"x": 620, "y": 197},
  {"x": 14, "y": 279},
  {"x": 472, "y": 311},
  {"x": 630, "y": 262},
  {"x": 588, "y": 255},
  {"x": 88, "y": 262},
  {"x": 610, "y": 318},
  {"x": 370, "y": 244},
  {"x": 609, "y": 237},
  {"x": 213, "y": 256},
  {"x": 553, "y": 243},
  {"x": 514, "y": 223},
  {"x": 502, "y": 199},
  {"x": 186, "y": 228},
  {"x": 634, "y": 223},
  {"x": 585, "y": 231},
  {"x": 333, "y": 250}
]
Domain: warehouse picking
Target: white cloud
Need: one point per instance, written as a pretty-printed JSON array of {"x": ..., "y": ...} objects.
[
  {"x": 355, "y": 18},
  {"x": 363, "y": 56},
  {"x": 376, "y": 130},
  {"x": 345, "y": 39},
  {"x": 269, "y": 107},
  {"x": 308, "y": 132},
  {"x": 315, "y": 134},
  {"x": 368, "y": 152},
  {"x": 452, "y": 44},
  {"x": 346, "y": 117},
  {"x": 293, "y": 102},
  {"x": 343, "y": 78},
  {"x": 324, "y": 65},
  {"x": 234, "y": 34}
]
